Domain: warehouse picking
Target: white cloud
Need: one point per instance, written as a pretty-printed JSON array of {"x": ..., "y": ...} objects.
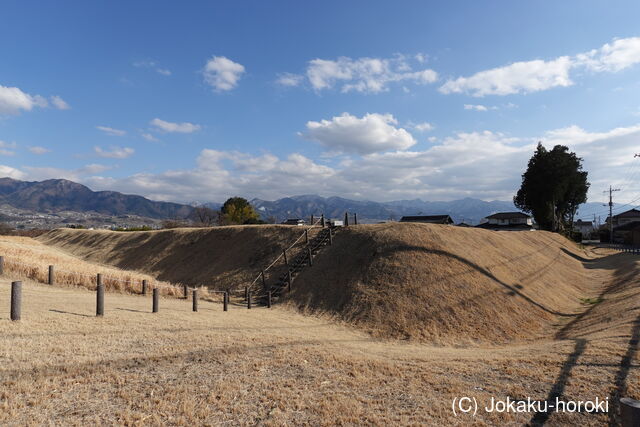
[
  {"x": 607, "y": 155},
  {"x": 479, "y": 107},
  {"x": 483, "y": 164},
  {"x": 59, "y": 103},
  {"x": 114, "y": 152},
  {"x": 6, "y": 148},
  {"x": 39, "y": 150},
  {"x": 149, "y": 137},
  {"x": 350, "y": 134},
  {"x": 78, "y": 175},
  {"x": 222, "y": 73},
  {"x": 111, "y": 131},
  {"x": 184, "y": 127},
  {"x": 612, "y": 57},
  {"x": 8, "y": 171},
  {"x": 289, "y": 79},
  {"x": 367, "y": 75},
  {"x": 539, "y": 75},
  {"x": 151, "y": 64},
  {"x": 519, "y": 77},
  {"x": 421, "y": 127},
  {"x": 13, "y": 100}
]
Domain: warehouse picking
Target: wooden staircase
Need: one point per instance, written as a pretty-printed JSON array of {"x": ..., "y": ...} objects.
[{"x": 272, "y": 290}]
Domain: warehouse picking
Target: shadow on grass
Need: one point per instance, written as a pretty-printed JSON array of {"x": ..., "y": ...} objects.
[
  {"x": 69, "y": 312},
  {"x": 540, "y": 418},
  {"x": 620, "y": 382}
]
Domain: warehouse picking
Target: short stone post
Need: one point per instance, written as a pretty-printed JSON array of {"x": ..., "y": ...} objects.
[
  {"x": 249, "y": 301},
  {"x": 16, "y": 300},
  {"x": 156, "y": 299},
  {"x": 246, "y": 293},
  {"x": 99, "y": 296},
  {"x": 51, "y": 275},
  {"x": 306, "y": 236},
  {"x": 312, "y": 220},
  {"x": 185, "y": 291},
  {"x": 629, "y": 412},
  {"x": 144, "y": 287},
  {"x": 194, "y": 295},
  {"x": 322, "y": 220},
  {"x": 225, "y": 301}
]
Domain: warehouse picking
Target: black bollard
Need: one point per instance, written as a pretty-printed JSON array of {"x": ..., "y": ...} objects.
[
  {"x": 16, "y": 300},
  {"x": 51, "y": 275},
  {"x": 156, "y": 299},
  {"x": 99, "y": 296}
]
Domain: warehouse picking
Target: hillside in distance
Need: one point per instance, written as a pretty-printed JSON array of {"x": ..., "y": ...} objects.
[{"x": 58, "y": 195}]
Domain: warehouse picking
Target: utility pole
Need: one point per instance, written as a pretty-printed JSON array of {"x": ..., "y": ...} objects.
[{"x": 611, "y": 190}]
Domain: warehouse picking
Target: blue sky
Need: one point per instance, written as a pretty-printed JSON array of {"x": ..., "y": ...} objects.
[{"x": 199, "y": 101}]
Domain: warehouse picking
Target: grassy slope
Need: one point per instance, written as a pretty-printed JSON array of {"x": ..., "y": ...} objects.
[
  {"x": 446, "y": 284},
  {"x": 440, "y": 284},
  {"x": 215, "y": 257}
]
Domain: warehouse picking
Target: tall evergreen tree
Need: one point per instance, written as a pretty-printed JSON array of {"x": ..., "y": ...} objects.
[{"x": 553, "y": 186}]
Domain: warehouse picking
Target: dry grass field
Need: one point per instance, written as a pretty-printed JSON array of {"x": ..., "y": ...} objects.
[{"x": 62, "y": 365}]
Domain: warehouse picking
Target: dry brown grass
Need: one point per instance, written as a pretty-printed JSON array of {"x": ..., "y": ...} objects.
[
  {"x": 61, "y": 365},
  {"x": 27, "y": 258},
  {"x": 445, "y": 284},
  {"x": 218, "y": 257}
]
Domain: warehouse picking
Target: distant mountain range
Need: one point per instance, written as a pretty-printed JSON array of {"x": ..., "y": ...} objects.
[
  {"x": 468, "y": 210},
  {"x": 57, "y": 195},
  {"x": 60, "y": 195}
]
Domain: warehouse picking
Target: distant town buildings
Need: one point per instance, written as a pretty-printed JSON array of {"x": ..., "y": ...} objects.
[
  {"x": 510, "y": 221},
  {"x": 429, "y": 219}
]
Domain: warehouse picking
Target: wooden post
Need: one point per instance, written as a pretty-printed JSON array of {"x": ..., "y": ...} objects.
[
  {"x": 286, "y": 261},
  {"x": 629, "y": 412},
  {"x": 99, "y": 296},
  {"x": 225, "y": 301},
  {"x": 322, "y": 220},
  {"x": 269, "y": 299},
  {"x": 249, "y": 301},
  {"x": 16, "y": 300},
  {"x": 355, "y": 218},
  {"x": 306, "y": 236},
  {"x": 144, "y": 287},
  {"x": 156, "y": 299},
  {"x": 185, "y": 290},
  {"x": 330, "y": 237},
  {"x": 310, "y": 260},
  {"x": 51, "y": 275},
  {"x": 246, "y": 293},
  {"x": 195, "y": 299},
  {"x": 1, "y": 264},
  {"x": 312, "y": 219},
  {"x": 346, "y": 219}
]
